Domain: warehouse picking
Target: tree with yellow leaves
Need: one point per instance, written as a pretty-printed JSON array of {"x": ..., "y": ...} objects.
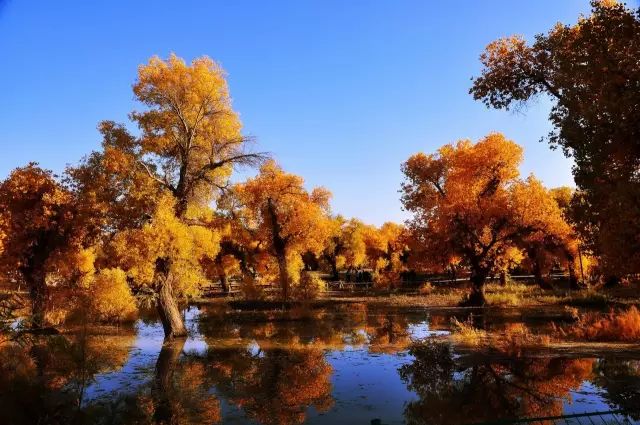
[
  {"x": 345, "y": 248},
  {"x": 553, "y": 239},
  {"x": 468, "y": 201},
  {"x": 285, "y": 218},
  {"x": 386, "y": 251},
  {"x": 155, "y": 190}
]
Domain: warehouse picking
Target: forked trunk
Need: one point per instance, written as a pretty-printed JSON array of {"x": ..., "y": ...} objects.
[
  {"x": 280, "y": 248},
  {"x": 163, "y": 386},
  {"x": 170, "y": 316}
]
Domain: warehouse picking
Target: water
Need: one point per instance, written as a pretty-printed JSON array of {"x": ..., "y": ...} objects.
[{"x": 349, "y": 364}]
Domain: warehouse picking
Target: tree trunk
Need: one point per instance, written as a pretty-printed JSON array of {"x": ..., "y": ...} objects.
[
  {"x": 224, "y": 282},
  {"x": 170, "y": 316},
  {"x": 280, "y": 248},
  {"x": 503, "y": 278},
  {"x": 334, "y": 267},
  {"x": 284, "y": 275},
  {"x": 38, "y": 294},
  {"x": 612, "y": 281},
  {"x": 165, "y": 366},
  {"x": 478, "y": 280}
]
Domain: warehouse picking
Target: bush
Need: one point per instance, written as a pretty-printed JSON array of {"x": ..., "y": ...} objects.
[
  {"x": 518, "y": 336},
  {"x": 309, "y": 288},
  {"x": 251, "y": 290},
  {"x": 425, "y": 289},
  {"x": 110, "y": 298},
  {"x": 616, "y": 326}
]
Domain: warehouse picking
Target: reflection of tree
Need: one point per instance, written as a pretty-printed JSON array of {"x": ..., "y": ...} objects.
[
  {"x": 388, "y": 333},
  {"x": 275, "y": 386},
  {"x": 179, "y": 393},
  {"x": 383, "y": 330},
  {"x": 451, "y": 391},
  {"x": 46, "y": 381},
  {"x": 621, "y": 380}
]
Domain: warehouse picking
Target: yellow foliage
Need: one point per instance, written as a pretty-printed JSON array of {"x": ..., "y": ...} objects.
[
  {"x": 309, "y": 288},
  {"x": 284, "y": 218},
  {"x": 110, "y": 297},
  {"x": 166, "y": 236}
]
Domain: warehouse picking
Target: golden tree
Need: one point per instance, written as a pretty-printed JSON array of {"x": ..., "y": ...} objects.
[
  {"x": 385, "y": 251},
  {"x": 345, "y": 248},
  {"x": 285, "y": 218},
  {"x": 468, "y": 201},
  {"x": 155, "y": 189}
]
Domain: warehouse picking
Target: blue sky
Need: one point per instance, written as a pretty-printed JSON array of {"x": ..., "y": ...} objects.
[{"x": 340, "y": 92}]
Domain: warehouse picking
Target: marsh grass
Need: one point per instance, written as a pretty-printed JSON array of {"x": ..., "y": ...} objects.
[
  {"x": 466, "y": 333},
  {"x": 616, "y": 326}
]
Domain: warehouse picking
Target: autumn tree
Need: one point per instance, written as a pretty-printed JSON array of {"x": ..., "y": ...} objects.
[
  {"x": 345, "y": 247},
  {"x": 287, "y": 219},
  {"x": 590, "y": 72},
  {"x": 552, "y": 240},
  {"x": 467, "y": 201},
  {"x": 43, "y": 235},
  {"x": 385, "y": 252},
  {"x": 156, "y": 189}
]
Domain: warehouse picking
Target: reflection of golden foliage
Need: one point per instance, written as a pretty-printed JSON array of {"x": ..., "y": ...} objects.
[
  {"x": 278, "y": 387},
  {"x": 458, "y": 391}
]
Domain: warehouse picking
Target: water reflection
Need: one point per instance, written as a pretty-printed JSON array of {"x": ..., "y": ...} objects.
[
  {"x": 452, "y": 389},
  {"x": 350, "y": 364}
]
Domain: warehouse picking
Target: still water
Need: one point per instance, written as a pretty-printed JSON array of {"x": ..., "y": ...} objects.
[{"x": 350, "y": 364}]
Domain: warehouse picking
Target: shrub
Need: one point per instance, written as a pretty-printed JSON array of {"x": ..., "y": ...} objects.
[
  {"x": 425, "y": 289},
  {"x": 616, "y": 326},
  {"x": 518, "y": 336},
  {"x": 110, "y": 298},
  {"x": 309, "y": 288},
  {"x": 251, "y": 290}
]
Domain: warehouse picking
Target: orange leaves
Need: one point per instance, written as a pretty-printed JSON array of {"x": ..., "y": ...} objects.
[
  {"x": 111, "y": 298},
  {"x": 41, "y": 229},
  {"x": 280, "y": 207},
  {"x": 622, "y": 325},
  {"x": 469, "y": 202}
]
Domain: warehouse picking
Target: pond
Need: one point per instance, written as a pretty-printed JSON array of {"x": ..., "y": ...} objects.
[{"x": 348, "y": 364}]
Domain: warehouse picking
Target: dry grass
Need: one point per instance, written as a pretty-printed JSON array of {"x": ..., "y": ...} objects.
[
  {"x": 512, "y": 294},
  {"x": 517, "y": 336},
  {"x": 619, "y": 326},
  {"x": 466, "y": 333}
]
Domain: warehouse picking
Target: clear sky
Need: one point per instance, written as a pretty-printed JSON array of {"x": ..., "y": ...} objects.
[{"x": 340, "y": 92}]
